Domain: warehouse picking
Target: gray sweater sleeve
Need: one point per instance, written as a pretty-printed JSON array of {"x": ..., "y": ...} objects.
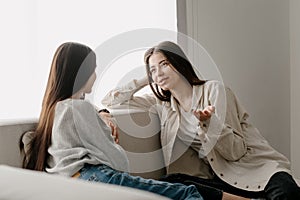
[{"x": 79, "y": 136}]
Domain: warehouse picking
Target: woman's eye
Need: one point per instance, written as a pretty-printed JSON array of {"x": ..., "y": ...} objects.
[
  {"x": 152, "y": 71},
  {"x": 165, "y": 64}
]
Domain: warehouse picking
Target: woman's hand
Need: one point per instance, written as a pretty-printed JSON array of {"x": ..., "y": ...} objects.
[
  {"x": 108, "y": 119},
  {"x": 205, "y": 114}
]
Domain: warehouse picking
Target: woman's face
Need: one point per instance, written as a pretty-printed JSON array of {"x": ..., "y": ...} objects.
[
  {"x": 162, "y": 72},
  {"x": 89, "y": 84}
]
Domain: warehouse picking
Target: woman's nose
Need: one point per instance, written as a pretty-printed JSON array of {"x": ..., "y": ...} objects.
[{"x": 159, "y": 71}]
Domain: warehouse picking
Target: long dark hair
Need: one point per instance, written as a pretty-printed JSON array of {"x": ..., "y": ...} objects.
[
  {"x": 72, "y": 65},
  {"x": 178, "y": 60}
]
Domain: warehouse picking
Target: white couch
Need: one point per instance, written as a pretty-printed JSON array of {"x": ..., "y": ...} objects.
[{"x": 17, "y": 183}]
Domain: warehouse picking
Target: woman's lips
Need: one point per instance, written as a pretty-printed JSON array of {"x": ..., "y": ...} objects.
[{"x": 162, "y": 81}]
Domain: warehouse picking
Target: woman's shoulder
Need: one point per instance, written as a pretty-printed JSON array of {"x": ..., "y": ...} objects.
[
  {"x": 216, "y": 86},
  {"x": 212, "y": 85},
  {"x": 74, "y": 105}
]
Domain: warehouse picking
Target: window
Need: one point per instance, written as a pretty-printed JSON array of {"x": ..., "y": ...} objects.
[{"x": 32, "y": 30}]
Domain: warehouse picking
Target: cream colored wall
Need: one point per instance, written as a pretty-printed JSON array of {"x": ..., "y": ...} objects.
[
  {"x": 249, "y": 41},
  {"x": 295, "y": 85}
]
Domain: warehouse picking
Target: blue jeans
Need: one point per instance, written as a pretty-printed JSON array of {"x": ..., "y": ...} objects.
[{"x": 105, "y": 174}]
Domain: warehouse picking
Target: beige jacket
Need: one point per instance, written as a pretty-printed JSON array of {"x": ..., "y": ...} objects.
[{"x": 235, "y": 149}]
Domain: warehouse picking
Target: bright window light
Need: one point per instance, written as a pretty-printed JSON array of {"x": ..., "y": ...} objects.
[{"x": 32, "y": 30}]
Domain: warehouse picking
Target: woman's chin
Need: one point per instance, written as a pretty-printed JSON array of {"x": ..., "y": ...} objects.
[{"x": 165, "y": 88}]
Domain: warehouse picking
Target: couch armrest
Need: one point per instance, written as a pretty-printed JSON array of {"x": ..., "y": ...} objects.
[{"x": 10, "y": 132}]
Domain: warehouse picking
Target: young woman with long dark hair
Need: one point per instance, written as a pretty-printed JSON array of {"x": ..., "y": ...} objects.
[{"x": 206, "y": 137}]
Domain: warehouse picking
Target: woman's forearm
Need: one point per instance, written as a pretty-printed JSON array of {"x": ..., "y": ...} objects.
[{"x": 143, "y": 81}]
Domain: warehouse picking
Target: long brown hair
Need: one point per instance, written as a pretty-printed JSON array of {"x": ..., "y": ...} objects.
[
  {"x": 178, "y": 60},
  {"x": 72, "y": 65}
]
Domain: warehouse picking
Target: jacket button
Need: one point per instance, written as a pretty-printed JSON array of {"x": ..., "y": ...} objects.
[
  {"x": 247, "y": 186},
  {"x": 211, "y": 159},
  {"x": 221, "y": 174},
  {"x": 235, "y": 183},
  {"x": 258, "y": 187}
]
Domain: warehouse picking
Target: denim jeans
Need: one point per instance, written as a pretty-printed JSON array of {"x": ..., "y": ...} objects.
[{"x": 105, "y": 174}]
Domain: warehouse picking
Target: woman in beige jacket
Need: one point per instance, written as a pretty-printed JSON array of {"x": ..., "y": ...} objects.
[{"x": 205, "y": 134}]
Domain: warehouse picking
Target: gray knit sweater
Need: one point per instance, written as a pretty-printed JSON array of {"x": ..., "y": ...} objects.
[{"x": 79, "y": 136}]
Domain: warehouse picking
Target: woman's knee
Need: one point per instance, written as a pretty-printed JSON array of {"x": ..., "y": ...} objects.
[{"x": 282, "y": 186}]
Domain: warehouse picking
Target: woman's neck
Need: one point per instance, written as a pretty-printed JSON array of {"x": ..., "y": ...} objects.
[
  {"x": 78, "y": 95},
  {"x": 183, "y": 93}
]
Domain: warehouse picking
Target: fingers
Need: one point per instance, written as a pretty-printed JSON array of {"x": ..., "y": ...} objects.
[
  {"x": 204, "y": 114},
  {"x": 201, "y": 115},
  {"x": 211, "y": 109},
  {"x": 108, "y": 119},
  {"x": 115, "y": 132}
]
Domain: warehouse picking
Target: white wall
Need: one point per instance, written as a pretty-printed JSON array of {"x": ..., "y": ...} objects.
[
  {"x": 249, "y": 42},
  {"x": 17, "y": 53},
  {"x": 31, "y": 31},
  {"x": 295, "y": 84}
]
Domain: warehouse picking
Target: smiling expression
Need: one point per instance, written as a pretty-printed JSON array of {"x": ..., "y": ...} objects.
[{"x": 162, "y": 71}]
